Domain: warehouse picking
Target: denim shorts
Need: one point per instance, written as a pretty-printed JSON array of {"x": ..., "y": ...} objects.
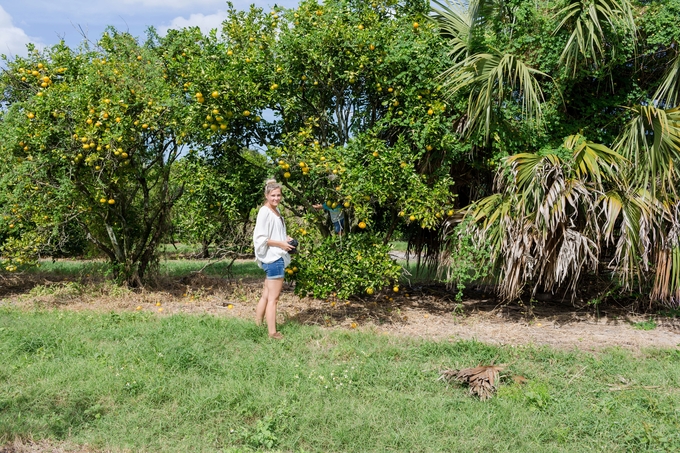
[
  {"x": 339, "y": 225},
  {"x": 274, "y": 270}
]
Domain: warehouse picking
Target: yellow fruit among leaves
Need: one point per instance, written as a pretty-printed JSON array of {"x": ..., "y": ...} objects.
[
  {"x": 369, "y": 291},
  {"x": 362, "y": 225}
]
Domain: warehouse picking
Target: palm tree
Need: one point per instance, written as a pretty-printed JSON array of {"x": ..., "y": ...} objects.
[
  {"x": 552, "y": 216},
  {"x": 543, "y": 225},
  {"x": 492, "y": 77}
]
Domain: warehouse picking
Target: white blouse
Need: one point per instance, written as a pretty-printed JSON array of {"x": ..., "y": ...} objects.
[{"x": 269, "y": 226}]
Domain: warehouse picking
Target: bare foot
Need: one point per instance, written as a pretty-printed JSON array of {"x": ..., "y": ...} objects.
[{"x": 276, "y": 336}]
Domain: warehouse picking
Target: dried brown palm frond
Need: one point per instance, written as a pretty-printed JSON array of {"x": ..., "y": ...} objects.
[
  {"x": 544, "y": 226},
  {"x": 666, "y": 285},
  {"x": 482, "y": 380}
]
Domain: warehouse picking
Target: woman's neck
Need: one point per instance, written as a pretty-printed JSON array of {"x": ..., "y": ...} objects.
[{"x": 273, "y": 208}]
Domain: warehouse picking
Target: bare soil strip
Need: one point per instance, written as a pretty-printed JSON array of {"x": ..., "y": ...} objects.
[{"x": 425, "y": 312}]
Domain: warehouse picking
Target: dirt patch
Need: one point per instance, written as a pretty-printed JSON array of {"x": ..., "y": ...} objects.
[
  {"x": 425, "y": 312},
  {"x": 44, "y": 446}
]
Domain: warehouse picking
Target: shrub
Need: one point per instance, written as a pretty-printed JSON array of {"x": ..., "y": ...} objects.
[{"x": 344, "y": 266}]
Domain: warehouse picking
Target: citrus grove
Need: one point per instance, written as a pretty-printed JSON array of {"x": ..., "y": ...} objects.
[{"x": 401, "y": 113}]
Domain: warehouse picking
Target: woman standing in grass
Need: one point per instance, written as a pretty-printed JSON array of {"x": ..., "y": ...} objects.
[{"x": 271, "y": 254}]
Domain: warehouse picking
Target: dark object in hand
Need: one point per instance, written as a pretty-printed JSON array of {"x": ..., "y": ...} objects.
[{"x": 294, "y": 243}]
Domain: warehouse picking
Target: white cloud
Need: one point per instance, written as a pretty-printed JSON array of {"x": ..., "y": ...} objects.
[
  {"x": 13, "y": 39},
  {"x": 204, "y": 22}
]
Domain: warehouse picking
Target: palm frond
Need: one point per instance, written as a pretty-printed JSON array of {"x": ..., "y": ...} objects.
[
  {"x": 651, "y": 141},
  {"x": 591, "y": 160},
  {"x": 492, "y": 79},
  {"x": 456, "y": 22},
  {"x": 668, "y": 93},
  {"x": 587, "y": 40}
]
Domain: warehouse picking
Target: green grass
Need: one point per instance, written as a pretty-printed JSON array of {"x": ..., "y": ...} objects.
[
  {"x": 399, "y": 246},
  {"x": 139, "y": 382},
  {"x": 172, "y": 268},
  {"x": 649, "y": 324},
  {"x": 243, "y": 268}
]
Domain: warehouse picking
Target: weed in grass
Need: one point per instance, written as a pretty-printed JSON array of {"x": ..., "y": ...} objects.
[{"x": 649, "y": 324}]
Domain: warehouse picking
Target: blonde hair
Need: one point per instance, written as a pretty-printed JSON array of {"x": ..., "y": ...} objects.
[{"x": 270, "y": 185}]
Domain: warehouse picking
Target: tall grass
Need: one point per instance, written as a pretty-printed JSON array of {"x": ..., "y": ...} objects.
[{"x": 140, "y": 382}]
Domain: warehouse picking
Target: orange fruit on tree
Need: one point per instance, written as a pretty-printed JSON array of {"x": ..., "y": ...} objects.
[{"x": 362, "y": 225}]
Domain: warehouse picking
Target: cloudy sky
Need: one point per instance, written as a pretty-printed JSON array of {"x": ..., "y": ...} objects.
[{"x": 45, "y": 22}]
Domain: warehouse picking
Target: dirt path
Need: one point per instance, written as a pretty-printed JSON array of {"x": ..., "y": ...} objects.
[{"x": 430, "y": 313}]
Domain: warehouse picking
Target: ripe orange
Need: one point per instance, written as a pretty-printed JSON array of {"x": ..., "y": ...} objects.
[
  {"x": 395, "y": 289},
  {"x": 112, "y": 201},
  {"x": 362, "y": 225},
  {"x": 215, "y": 94},
  {"x": 412, "y": 218}
]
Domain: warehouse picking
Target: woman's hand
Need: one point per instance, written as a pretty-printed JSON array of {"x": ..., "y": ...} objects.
[{"x": 280, "y": 244}]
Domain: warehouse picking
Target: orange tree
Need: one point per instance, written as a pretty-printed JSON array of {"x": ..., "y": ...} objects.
[
  {"x": 214, "y": 210},
  {"x": 89, "y": 135},
  {"x": 343, "y": 98}
]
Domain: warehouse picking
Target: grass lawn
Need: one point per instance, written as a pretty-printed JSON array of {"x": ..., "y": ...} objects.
[
  {"x": 171, "y": 268},
  {"x": 140, "y": 382}
]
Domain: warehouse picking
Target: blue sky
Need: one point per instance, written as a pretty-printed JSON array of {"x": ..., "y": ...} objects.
[{"x": 45, "y": 22}]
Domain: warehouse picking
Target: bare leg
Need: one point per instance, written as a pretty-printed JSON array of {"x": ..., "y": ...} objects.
[
  {"x": 261, "y": 305},
  {"x": 273, "y": 290}
]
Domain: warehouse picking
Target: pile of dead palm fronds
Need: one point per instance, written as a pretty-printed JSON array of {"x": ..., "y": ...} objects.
[{"x": 482, "y": 380}]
